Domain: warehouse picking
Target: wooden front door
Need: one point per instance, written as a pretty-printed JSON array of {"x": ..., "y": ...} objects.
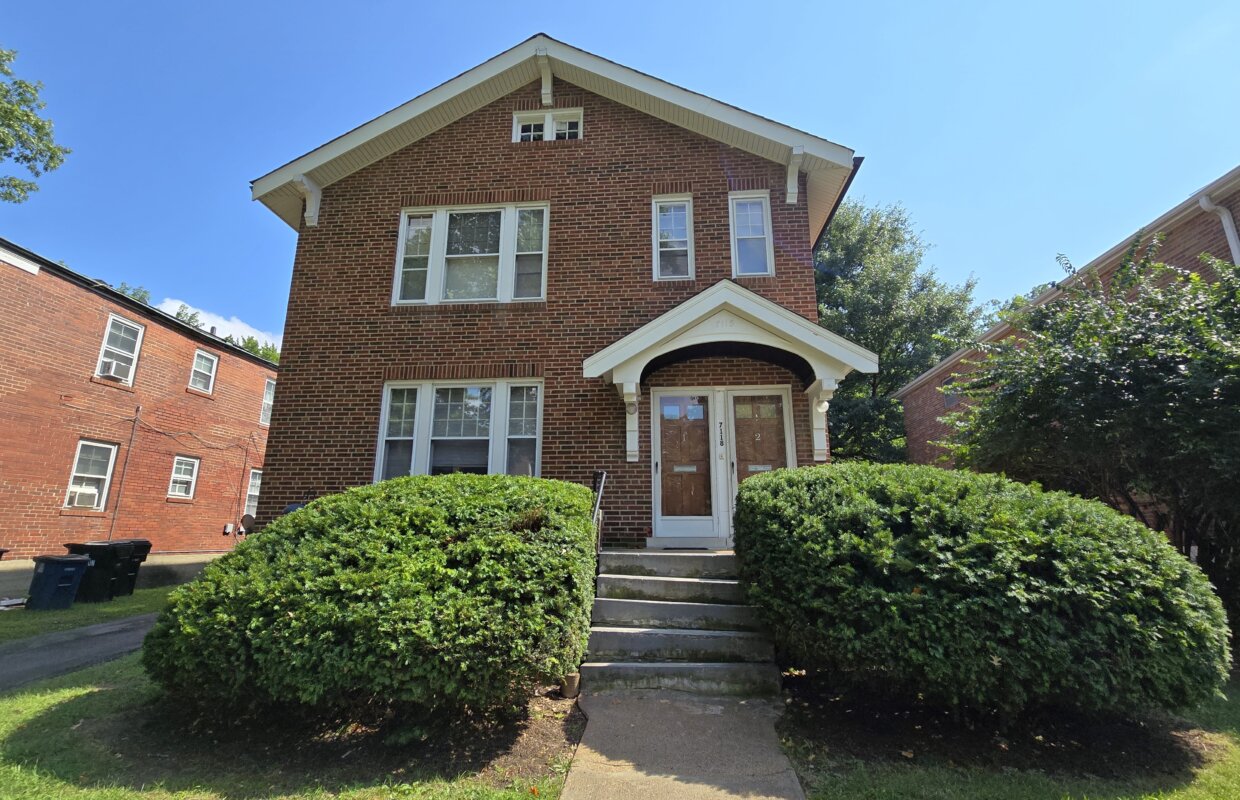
[
  {"x": 684, "y": 478},
  {"x": 760, "y": 443}
]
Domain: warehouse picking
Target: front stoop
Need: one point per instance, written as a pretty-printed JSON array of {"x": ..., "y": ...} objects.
[{"x": 676, "y": 621}]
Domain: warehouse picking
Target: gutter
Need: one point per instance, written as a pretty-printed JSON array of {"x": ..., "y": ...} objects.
[
  {"x": 839, "y": 200},
  {"x": 1229, "y": 224}
]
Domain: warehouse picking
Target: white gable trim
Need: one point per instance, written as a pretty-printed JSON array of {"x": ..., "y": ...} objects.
[
  {"x": 21, "y": 262},
  {"x": 728, "y": 312}
]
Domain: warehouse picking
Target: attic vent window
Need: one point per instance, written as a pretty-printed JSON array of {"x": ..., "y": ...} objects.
[{"x": 561, "y": 125}]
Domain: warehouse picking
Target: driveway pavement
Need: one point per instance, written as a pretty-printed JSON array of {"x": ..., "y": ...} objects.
[{"x": 52, "y": 654}]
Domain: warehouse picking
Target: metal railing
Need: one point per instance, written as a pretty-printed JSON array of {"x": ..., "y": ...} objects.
[{"x": 598, "y": 484}]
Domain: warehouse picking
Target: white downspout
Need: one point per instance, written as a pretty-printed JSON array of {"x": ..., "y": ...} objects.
[{"x": 1229, "y": 225}]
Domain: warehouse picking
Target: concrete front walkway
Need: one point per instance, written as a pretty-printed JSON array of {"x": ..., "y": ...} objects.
[
  {"x": 662, "y": 744},
  {"x": 52, "y": 654}
]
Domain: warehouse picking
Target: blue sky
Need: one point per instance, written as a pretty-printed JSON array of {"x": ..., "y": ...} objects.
[{"x": 1011, "y": 131}]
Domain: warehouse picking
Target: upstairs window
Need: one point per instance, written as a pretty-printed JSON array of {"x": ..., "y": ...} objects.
[
  {"x": 673, "y": 238},
  {"x": 184, "y": 477},
  {"x": 202, "y": 374},
  {"x": 537, "y": 126},
  {"x": 119, "y": 354},
  {"x": 491, "y": 254},
  {"x": 269, "y": 400},
  {"x": 753, "y": 252}
]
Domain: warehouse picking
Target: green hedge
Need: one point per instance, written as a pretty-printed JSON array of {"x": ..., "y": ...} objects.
[
  {"x": 450, "y": 592},
  {"x": 976, "y": 592}
]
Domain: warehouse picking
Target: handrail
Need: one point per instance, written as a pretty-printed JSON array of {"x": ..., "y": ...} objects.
[{"x": 598, "y": 484}]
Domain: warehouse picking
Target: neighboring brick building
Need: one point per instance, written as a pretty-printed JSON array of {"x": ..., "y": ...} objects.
[
  {"x": 512, "y": 271},
  {"x": 1202, "y": 224},
  {"x": 118, "y": 420}
]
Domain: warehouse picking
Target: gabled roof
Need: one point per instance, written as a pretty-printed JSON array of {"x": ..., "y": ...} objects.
[{"x": 828, "y": 166}]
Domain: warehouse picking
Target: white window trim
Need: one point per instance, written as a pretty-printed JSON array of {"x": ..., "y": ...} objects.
[
  {"x": 137, "y": 350},
  {"x": 497, "y": 461},
  {"x": 436, "y": 271},
  {"x": 263, "y": 408},
  {"x": 107, "y": 481},
  {"x": 193, "y": 478},
  {"x": 687, "y": 199},
  {"x": 246, "y": 509},
  {"x": 765, "y": 196},
  {"x": 548, "y": 118},
  {"x": 215, "y": 368}
]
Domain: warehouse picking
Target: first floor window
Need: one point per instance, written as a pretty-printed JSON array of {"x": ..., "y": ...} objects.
[
  {"x": 92, "y": 473},
  {"x": 184, "y": 477},
  {"x": 439, "y": 429},
  {"x": 119, "y": 354},
  {"x": 202, "y": 374},
  {"x": 752, "y": 249},
  {"x": 251, "y": 492}
]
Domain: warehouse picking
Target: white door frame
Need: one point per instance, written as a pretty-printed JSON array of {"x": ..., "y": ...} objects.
[{"x": 714, "y": 531}]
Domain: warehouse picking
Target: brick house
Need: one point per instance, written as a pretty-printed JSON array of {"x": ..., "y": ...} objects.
[
  {"x": 553, "y": 264},
  {"x": 119, "y": 420},
  {"x": 1202, "y": 224}
]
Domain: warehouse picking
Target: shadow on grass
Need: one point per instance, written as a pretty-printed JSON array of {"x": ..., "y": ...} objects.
[{"x": 123, "y": 732}]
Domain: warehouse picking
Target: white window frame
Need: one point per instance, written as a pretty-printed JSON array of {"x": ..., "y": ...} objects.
[
  {"x": 765, "y": 196},
  {"x": 101, "y": 503},
  {"x": 215, "y": 368},
  {"x": 264, "y": 413},
  {"x": 497, "y": 459},
  {"x": 137, "y": 350},
  {"x": 193, "y": 478},
  {"x": 248, "y": 491},
  {"x": 436, "y": 271},
  {"x": 548, "y": 119},
  {"x": 666, "y": 199}
]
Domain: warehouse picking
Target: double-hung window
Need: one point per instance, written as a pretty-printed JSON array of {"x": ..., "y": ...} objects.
[
  {"x": 673, "y": 238},
  {"x": 269, "y": 400},
  {"x": 482, "y": 427},
  {"x": 494, "y": 254},
  {"x": 251, "y": 492},
  {"x": 753, "y": 251},
  {"x": 557, "y": 124},
  {"x": 91, "y": 476},
  {"x": 202, "y": 374},
  {"x": 118, "y": 356},
  {"x": 184, "y": 477}
]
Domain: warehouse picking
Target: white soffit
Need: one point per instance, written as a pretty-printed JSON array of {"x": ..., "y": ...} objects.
[
  {"x": 7, "y": 256},
  {"x": 826, "y": 164}
]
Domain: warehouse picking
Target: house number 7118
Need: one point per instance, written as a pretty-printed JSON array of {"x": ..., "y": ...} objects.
[{"x": 721, "y": 434}]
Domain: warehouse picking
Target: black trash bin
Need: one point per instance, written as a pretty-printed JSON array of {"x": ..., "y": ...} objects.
[
  {"x": 55, "y": 581},
  {"x": 109, "y": 568},
  {"x": 141, "y": 548}
]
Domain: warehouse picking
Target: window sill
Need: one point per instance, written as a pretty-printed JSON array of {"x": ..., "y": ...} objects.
[
  {"x": 182, "y": 501},
  {"x": 466, "y": 306},
  {"x": 753, "y": 277},
  {"x": 82, "y": 512},
  {"x": 199, "y": 393},
  {"x": 124, "y": 387}
]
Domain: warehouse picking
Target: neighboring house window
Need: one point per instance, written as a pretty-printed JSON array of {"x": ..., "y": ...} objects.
[
  {"x": 673, "y": 238},
  {"x": 951, "y": 398},
  {"x": 119, "y": 355},
  {"x": 537, "y": 126},
  {"x": 753, "y": 251},
  {"x": 495, "y": 254},
  {"x": 184, "y": 477},
  {"x": 91, "y": 476},
  {"x": 251, "y": 492},
  {"x": 480, "y": 428},
  {"x": 269, "y": 399},
  {"x": 202, "y": 374}
]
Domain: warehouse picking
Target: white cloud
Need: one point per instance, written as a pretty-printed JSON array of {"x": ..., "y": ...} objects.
[{"x": 224, "y": 326}]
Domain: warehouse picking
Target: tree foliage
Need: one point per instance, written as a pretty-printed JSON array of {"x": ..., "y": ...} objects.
[
  {"x": 139, "y": 293},
  {"x": 188, "y": 315},
  {"x": 1127, "y": 390},
  {"x": 267, "y": 350},
  {"x": 25, "y": 137},
  {"x": 874, "y": 290}
]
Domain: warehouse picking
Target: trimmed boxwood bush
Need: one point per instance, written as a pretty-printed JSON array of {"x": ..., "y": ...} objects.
[
  {"x": 422, "y": 593},
  {"x": 976, "y": 592}
]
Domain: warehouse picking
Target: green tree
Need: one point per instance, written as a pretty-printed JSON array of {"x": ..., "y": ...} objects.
[
  {"x": 25, "y": 137},
  {"x": 139, "y": 293},
  {"x": 874, "y": 290},
  {"x": 1126, "y": 390},
  {"x": 188, "y": 315},
  {"x": 266, "y": 350}
]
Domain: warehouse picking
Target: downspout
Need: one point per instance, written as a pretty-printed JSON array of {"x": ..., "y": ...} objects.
[
  {"x": 1229, "y": 224},
  {"x": 120, "y": 486}
]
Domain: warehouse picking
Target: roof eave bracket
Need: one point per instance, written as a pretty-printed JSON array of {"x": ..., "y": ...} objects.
[
  {"x": 793, "y": 189},
  {"x": 544, "y": 69},
  {"x": 312, "y": 193}
]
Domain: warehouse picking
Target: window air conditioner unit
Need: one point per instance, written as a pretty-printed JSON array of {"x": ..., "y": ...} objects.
[
  {"x": 85, "y": 498},
  {"x": 111, "y": 370}
]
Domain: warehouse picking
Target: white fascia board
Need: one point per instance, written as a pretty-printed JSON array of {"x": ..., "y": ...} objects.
[
  {"x": 726, "y": 294},
  {"x": 22, "y": 263}
]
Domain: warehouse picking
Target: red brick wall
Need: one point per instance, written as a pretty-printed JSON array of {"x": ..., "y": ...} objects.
[
  {"x": 50, "y": 334},
  {"x": 1182, "y": 246},
  {"x": 342, "y": 335}
]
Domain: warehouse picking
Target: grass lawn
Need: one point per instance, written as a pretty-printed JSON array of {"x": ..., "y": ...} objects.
[
  {"x": 847, "y": 748},
  {"x": 105, "y": 733},
  {"x": 20, "y": 623}
]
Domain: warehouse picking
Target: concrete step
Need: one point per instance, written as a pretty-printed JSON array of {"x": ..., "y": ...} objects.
[
  {"x": 686, "y": 676},
  {"x": 668, "y": 564},
  {"x": 692, "y": 590},
  {"x": 676, "y": 644},
  {"x": 668, "y": 614}
]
